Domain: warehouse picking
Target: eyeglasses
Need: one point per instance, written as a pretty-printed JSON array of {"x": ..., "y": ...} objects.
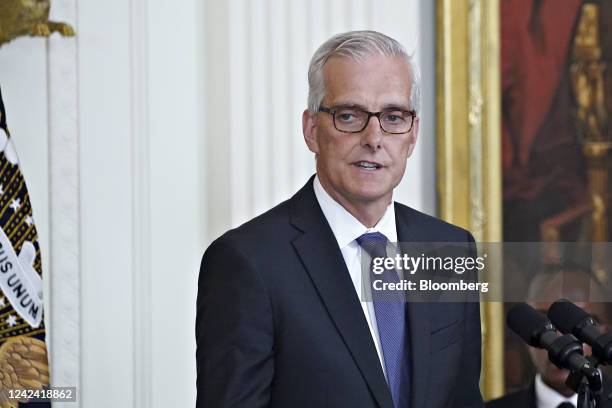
[{"x": 353, "y": 120}]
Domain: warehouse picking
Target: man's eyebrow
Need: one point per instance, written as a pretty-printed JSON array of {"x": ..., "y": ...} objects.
[
  {"x": 396, "y": 106},
  {"x": 389, "y": 106},
  {"x": 349, "y": 105}
]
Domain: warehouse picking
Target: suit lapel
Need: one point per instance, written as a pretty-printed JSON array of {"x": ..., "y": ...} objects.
[
  {"x": 319, "y": 252},
  {"x": 418, "y": 323},
  {"x": 531, "y": 396},
  {"x": 420, "y": 350}
]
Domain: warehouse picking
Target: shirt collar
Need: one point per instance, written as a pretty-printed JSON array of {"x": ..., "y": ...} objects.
[
  {"x": 548, "y": 398},
  {"x": 345, "y": 226}
]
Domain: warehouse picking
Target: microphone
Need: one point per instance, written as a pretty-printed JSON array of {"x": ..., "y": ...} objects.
[
  {"x": 570, "y": 318},
  {"x": 564, "y": 351}
]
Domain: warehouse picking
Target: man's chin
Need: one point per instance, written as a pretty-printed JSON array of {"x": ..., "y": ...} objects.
[
  {"x": 372, "y": 189},
  {"x": 363, "y": 191},
  {"x": 555, "y": 378},
  {"x": 370, "y": 194}
]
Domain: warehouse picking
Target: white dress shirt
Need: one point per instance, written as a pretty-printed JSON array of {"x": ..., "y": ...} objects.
[
  {"x": 546, "y": 397},
  {"x": 347, "y": 229}
]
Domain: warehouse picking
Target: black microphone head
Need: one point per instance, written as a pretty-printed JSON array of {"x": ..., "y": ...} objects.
[
  {"x": 565, "y": 315},
  {"x": 528, "y": 323}
]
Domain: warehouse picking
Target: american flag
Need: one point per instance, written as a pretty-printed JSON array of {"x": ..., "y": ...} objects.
[{"x": 23, "y": 353}]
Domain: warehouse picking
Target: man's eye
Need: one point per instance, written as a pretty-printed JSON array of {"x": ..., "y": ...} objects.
[
  {"x": 346, "y": 116},
  {"x": 394, "y": 118}
]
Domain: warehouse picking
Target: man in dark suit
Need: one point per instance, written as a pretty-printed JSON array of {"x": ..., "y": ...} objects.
[
  {"x": 279, "y": 317},
  {"x": 548, "y": 388}
]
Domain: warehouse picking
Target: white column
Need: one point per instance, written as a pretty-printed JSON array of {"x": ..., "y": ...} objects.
[
  {"x": 175, "y": 94},
  {"x": 64, "y": 207},
  {"x": 106, "y": 203}
]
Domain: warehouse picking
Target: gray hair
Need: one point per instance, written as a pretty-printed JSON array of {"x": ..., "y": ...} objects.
[{"x": 357, "y": 45}]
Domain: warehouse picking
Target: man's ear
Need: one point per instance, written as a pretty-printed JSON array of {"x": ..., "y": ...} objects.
[
  {"x": 310, "y": 131},
  {"x": 414, "y": 134}
]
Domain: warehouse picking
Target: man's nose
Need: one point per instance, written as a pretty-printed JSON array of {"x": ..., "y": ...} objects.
[{"x": 372, "y": 134}]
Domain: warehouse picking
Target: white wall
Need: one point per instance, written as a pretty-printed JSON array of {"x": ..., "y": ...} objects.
[{"x": 132, "y": 173}]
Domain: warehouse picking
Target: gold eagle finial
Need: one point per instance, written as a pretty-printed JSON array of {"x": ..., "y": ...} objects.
[{"x": 28, "y": 17}]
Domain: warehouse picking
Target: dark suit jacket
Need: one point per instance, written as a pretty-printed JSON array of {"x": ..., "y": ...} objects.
[{"x": 279, "y": 323}]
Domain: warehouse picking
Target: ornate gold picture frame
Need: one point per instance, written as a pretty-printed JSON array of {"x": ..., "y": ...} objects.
[{"x": 469, "y": 144}]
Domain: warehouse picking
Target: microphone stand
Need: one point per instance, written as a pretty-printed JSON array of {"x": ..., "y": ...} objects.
[
  {"x": 586, "y": 399},
  {"x": 588, "y": 385}
]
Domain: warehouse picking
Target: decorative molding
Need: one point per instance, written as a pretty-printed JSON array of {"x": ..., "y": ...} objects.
[
  {"x": 64, "y": 330},
  {"x": 475, "y": 120},
  {"x": 141, "y": 210}
]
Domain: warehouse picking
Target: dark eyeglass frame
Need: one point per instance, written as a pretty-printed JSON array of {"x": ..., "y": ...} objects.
[{"x": 332, "y": 111}]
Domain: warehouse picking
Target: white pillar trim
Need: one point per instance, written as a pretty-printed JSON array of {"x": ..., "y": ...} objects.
[
  {"x": 141, "y": 210},
  {"x": 64, "y": 329}
]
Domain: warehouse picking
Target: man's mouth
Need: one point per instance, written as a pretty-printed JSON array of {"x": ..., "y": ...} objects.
[{"x": 368, "y": 165}]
